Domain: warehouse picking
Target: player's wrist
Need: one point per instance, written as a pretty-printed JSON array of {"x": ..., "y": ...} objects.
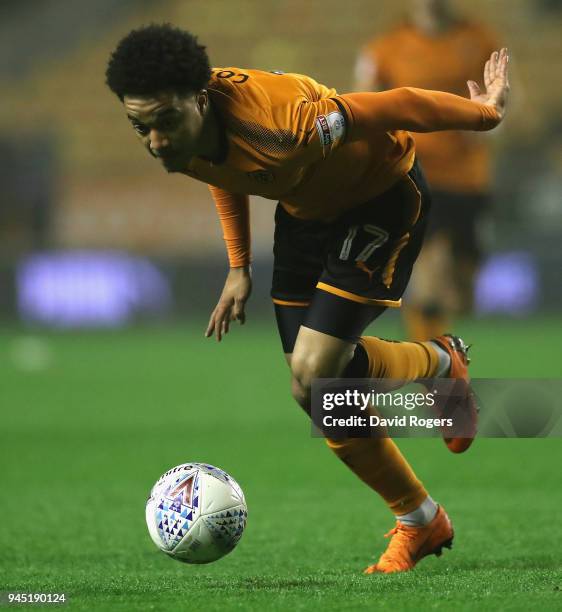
[
  {"x": 244, "y": 270},
  {"x": 499, "y": 110}
]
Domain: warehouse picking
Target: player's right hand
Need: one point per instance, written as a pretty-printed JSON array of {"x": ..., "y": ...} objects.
[
  {"x": 496, "y": 82},
  {"x": 232, "y": 302}
]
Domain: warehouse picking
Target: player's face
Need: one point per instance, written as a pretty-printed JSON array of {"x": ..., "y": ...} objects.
[{"x": 169, "y": 125}]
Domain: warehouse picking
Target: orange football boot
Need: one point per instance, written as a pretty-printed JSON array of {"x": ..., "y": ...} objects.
[
  {"x": 460, "y": 402},
  {"x": 410, "y": 544}
]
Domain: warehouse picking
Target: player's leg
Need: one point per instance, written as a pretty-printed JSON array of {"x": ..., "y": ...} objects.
[
  {"x": 329, "y": 344},
  {"x": 299, "y": 248},
  {"x": 326, "y": 350},
  {"x": 338, "y": 351},
  {"x": 376, "y": 461},
  {"x": 393, "y": 263},
  {"x": 422, "y": 526}
]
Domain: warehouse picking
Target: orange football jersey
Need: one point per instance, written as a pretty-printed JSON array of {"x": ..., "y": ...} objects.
[{"x": 319, "y": 153}]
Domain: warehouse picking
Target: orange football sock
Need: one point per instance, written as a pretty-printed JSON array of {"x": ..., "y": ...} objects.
[
  {"x": 400, "y": 360},
  {"x": 379, "y": 463}
]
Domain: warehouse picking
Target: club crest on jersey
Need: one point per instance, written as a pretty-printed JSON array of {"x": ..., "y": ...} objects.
[
  {"x": 331, "y": 130},
  {"x": 262, "y": 176}
]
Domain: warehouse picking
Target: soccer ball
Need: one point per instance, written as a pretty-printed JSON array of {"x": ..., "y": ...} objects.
[{"x": 196, "y": 513}]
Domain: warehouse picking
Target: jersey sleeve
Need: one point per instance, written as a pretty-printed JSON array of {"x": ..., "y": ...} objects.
[
  {"x": 234, "y": 215},
  {"x": 417, "y": 110},
  {"x": 307, "y": 112}
]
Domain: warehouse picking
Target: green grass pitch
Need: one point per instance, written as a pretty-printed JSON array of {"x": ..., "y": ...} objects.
[{"x": 83, "y": 440}]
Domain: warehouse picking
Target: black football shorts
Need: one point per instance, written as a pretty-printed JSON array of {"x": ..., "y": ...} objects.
[{"x": 364, "y": 256}]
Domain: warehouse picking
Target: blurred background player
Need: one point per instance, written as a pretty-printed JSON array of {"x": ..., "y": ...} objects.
[{"x": 435, "y": 48}]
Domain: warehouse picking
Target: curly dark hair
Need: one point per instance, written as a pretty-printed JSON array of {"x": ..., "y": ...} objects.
[{"x": 157, "y": 58}]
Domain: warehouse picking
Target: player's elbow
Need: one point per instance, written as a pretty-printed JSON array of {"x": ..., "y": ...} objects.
[
  {"x": 408, "y": 97},
  {"x": 417, "y": 110}
]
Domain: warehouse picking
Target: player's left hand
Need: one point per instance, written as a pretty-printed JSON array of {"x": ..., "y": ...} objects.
[
  {"x": 496, "y": 82},
  {"x": 231, "y": 304}
]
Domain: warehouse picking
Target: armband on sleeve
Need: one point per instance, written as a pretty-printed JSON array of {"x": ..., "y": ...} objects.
[{"x": 331, "y": 130}]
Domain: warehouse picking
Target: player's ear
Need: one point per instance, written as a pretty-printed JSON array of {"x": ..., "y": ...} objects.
[{"x": 202, "y": 101}]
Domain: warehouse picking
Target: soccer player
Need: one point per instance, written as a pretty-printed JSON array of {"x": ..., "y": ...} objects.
[
  {"x": 437, "y": 49},
  {"x": 352, "y": 209}
]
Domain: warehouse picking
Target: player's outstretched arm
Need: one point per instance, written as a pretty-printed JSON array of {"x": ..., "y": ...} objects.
[
  {"x": 422, "y": 110},
  {"x": 232, "y": 302}
]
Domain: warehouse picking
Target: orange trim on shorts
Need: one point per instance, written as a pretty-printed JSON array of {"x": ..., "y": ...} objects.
[
  {"x": 358, "y": 298},
  {"x": 388, "y": 272},
  {"x": 287, "y": 303}
]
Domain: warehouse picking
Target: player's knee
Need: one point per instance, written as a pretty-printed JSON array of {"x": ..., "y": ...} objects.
[
  {"x": 304, "y": 369},
  {"x": 310, "y": 360}
]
